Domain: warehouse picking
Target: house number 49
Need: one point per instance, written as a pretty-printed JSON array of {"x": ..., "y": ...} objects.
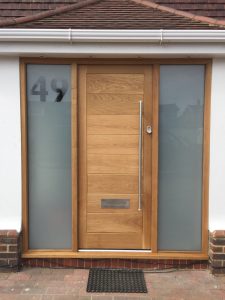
[{"x": 58, "y": 86}]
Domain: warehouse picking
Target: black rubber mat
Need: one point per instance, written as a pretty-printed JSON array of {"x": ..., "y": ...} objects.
[{"x": 116, "y": 281}]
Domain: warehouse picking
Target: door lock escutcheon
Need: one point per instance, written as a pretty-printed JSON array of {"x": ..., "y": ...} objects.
[{"x": 149, "y": 129}]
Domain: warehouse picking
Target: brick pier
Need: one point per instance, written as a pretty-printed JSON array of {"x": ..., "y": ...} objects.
[{"x": 10, "y": 249}]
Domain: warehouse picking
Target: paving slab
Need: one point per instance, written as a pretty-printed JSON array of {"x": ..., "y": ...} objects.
[{"x": 70, "y": 284}]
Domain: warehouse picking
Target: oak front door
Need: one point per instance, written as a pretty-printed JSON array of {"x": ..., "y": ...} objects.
[{"x": 114, "y": 141}]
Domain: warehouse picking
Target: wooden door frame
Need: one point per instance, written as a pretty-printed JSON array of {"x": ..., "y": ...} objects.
[{"x": 155, "y": 254}]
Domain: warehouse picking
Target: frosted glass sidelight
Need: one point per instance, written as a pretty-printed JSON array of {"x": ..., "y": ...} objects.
[
  {"x": 49, "y": 156},
  {"x": 180, "y": 157}
]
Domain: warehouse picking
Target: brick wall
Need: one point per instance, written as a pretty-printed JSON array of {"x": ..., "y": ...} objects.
[
  {"x": 10, "y": 249},
  {"x": 217, "y": 252},
  {"x": 155, "y": 264}
]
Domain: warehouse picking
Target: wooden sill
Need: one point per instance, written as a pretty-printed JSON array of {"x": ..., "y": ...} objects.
[{"x": 122, "y": 255}]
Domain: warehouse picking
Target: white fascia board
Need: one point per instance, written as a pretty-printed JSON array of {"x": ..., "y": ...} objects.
[
  {"x": 94, "y": 49},
  {"x": 113, "y": 36}
]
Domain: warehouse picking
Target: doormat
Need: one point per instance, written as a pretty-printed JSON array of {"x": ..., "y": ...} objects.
[{"x": 116, "y": 281}]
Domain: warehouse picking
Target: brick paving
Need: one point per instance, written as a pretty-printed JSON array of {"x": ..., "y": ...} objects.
[{"x": 70, "y": 284}]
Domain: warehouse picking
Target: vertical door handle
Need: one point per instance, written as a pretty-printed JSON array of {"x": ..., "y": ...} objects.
[{"x": 140, "y": 157}]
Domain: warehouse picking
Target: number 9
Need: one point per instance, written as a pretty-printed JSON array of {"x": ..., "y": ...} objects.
[{"x": 61, "y": 91}]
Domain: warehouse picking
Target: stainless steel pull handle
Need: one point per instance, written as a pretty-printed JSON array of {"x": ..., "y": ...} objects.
[{"x": 140, "y": 157}]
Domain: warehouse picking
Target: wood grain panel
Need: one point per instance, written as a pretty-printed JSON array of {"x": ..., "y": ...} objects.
[
  {"x": 113, "y": 104},
  {"x": 147, "y": 159},
  {"x": 206, "y": 157},
  {"x": 155, "y": 151},
  {"x": 113, "y": 240},
  {"x": 94, "y": 202},
  {"x": 113, "y": 184},
  {"x": 74, "y": 163},
  {"x": 82, "y": 161},
  {"x": 24, "y": 144},
  {"x": 113, "y": 68},
  {"x": 112, "y": 144},
  {"x": 112, "y": 164},
  {"x": 111, "y": 96},
  {"x": 118, "y": 222},
  {"x": 112, "y": 124},
  {"x": 115, "y": 83}
]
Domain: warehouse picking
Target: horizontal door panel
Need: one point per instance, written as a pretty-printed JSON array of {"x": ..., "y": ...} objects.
[
  {"x": 118, "y": 222},
  {"x": 115, "y": 83},
  {"x": 110, "y": 104},
  {"x": 112, "y": 164},
  {"x": 112, "y": 144},
  {"x": 113, "y": 184},
  {"x": 114, "y": 69},
  {"x": 109, "y": 124},
  {"x": 112, "y": 241}
]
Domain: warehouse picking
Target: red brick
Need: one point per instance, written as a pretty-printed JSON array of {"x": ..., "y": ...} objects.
[
  {"x": 3, "y": 233},
  {"x": 68, "y": 262},
  {"x": 12, "y": 233},
  {"x": 101, "y": 263},
  {"x": 3, "y": 248},
  {"x": 13, "y": 262},
  {"x": 169, "y": 261},
  {"x": 33, "y": 262},
  {"x": 127, "y": 263},
  {"x": 115, "y": 263},
  {"x": 121, "y": 263},
  {"x": 40, "y": 262},
  {"x": 218, "y": 241},
  {"x": 108, "y": 263},
  {"x": 134, "y": 264},
  {"x": 218, "y": 234},
  {"x": 87, "y": 263},
  {"x": 7, "y": 240},
  {"x": 3, "y": 262},
  {"x": 8, "y": 255},
  {"x": 220, "y": 256},
  {"x": 197, "y": 266},
  {"x": 217, "y": 263},
  {"x": 94, "y": 263},
  {"x": 204, "y": 266},
  {"x": 80, "y": 263},
  {"x": 218, "y": 271},
  {"x": 12, "y": 248},
  {"x": 46, "y": 263},
  {"x": 75, "y": 262},
  {"x": 215, "y": 248}
]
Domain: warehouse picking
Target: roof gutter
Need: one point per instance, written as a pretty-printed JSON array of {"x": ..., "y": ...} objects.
[{"x": 113, "y": 36}]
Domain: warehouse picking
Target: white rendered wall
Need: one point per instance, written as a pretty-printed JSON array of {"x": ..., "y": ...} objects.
[
  {"x": 217, "y": 148},
  {"x": 10, "y": 145}
]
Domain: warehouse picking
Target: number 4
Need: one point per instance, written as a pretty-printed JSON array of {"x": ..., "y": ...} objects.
[{"x": 42, "y": 92}]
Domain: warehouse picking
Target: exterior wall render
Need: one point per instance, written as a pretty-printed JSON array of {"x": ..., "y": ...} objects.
[
  {"x": 10, "y": 150},
  {"x": 217, "y": 148}
]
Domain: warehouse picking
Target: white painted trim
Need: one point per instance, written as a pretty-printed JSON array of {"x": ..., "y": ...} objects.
[{"x": 83, "y": 35}]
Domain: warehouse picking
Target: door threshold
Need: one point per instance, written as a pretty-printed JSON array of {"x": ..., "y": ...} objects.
[{"x": 115, "y": 250}]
